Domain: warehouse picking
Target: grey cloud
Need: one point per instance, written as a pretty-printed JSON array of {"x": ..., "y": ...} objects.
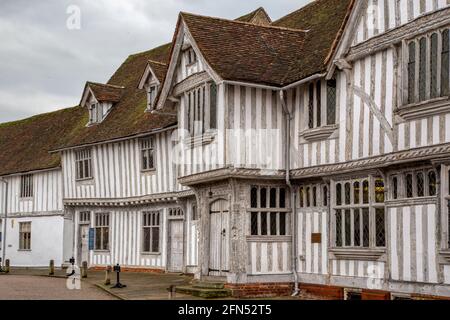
[{"x": 43, "y": 65}]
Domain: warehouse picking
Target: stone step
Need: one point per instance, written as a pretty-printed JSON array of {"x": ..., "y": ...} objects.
[
  {"x": 203, "y": 292},
  {"x": 208, "y": 284}
]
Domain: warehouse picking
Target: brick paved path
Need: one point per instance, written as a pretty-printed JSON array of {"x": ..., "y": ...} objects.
[{"x": 22, "y": 287}]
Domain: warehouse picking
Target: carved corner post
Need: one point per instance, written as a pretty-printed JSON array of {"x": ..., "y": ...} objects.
[
  {"x": 203, "y": 252},
  {"x": 238, "y": 243}
]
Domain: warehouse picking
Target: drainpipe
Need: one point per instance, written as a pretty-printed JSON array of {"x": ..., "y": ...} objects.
[
  {"x": 4, "y": 224},
  {"x": 287, "y": 158}
]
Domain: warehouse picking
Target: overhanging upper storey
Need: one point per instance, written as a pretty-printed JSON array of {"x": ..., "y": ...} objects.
[{"x": 99, "y": 99}]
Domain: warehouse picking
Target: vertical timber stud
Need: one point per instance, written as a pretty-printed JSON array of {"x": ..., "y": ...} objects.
[{"x": 51, "y": 268}]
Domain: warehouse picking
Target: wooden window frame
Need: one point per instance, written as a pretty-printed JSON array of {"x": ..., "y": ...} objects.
[
  {"x": 348, "y": 239},
  {"x": 25, "y": 236},
  {"x": 151, "y": 220},
  {"x": 321, "y": 197},
  {"x": 102, "y": 226},
  {"x": 268, "y": 210},
  {"x": 401, "y": 176},
  {"x": 201, "y": 109},
  {"x": 83, "y": 157},
  {"x": 147, "y": 149},
  {"x": 26, "y": 186},
  {"x": 152, "y": 92}
]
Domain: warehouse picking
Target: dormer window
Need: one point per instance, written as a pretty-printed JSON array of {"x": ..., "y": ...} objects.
[
  {"x": 95, "y": 113},
  {"x": 151, "y": 96},
  {"x": 321, "y": 103}
]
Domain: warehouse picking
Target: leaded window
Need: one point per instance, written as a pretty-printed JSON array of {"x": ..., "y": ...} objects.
[
  {"x": 83, "y": 164},
  {"x": 319, "y": 103},
  {"x": 412, "y": 73},
  {"x": 409, "y": 185},
  {"x": 360, "y": 224},
  {"x": 414, "y": 184},
  {"x": 311, "y": 106},
  {"x": 268, "y": 212},
  {"x": 325, "y": 196},
  {"x": 314, "y": 195},
  {"x": 434, "y": 66},
  {"x": 445, "y": 63},
  {"x": 26, "y": 186},
  {"x": 423, "y": 57},
  {"x": 147, "y": 154},
  {"x": 420, "y": 184},
  {"x": 201, "y": 109},
  {"x": 422, "y": 69},
  {"x": 331, "y": 101},
  {"x": 395, "y": 188},
  {"x": 151, "y": 224},
  {"x": 101, "y": 229},
  {"x": 432, "y": 183}
]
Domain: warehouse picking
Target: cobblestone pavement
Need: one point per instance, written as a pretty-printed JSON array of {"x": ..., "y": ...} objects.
[{"x": 25, "y": 287}]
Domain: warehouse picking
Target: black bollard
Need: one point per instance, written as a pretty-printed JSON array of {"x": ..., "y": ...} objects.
[
  {"x": 6, "y": 266},
  {"x": 118, "y": 285},
  {"x": 51, "y": 268}
]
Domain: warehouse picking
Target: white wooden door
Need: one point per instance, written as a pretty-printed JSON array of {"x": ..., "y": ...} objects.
[
  {"x": 83, "y": 244},
  {"x": 219, "y": 238},
  {"x": 176, "y": 249}
]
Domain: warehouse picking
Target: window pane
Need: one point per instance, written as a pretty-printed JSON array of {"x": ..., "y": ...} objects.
[
  {"x": 273, "y": 197},
  {"x": 357, "y": 227},
  {"x": 254, "y": 223},
  {"x": 98, "y": 238},
  {"x": 409, "y": 186},
  {"x": 282, "y": 198},
  {"x": 366, "y": 191},
  {"x": 432, "y": 183},
  {"x": 308, "y": 197},
  {"x": 263, "y": 203},
  {"x": 311, "y": 106},
  {"x": 319, "y": 103},
  {"x": 338, "y": 194},
  {"x": 356, "y": 191},
  {"x": 395, "y": 188},
  {"x": 155, "y": 239},
  {"x": 379, "y": 191},
  {"x": 325, "y": 196},
  {"x": 433, "y": 65},
  {"x": 366, "y": 237},
  {"x": 105, "y": 238},
  {"x": 213, "y": 106},
  {"x": 380, "y": 228},
  {"x": 314, "y": 196},
  {"x": 347, "y": 193},
  {"x": 302, "y": 197},
  {"x": 348, "y": 222},
  {"x": 264, "y": 223},
  {"x": 445, "y": 68},
  {"x": 338, "y": 228},
  {"x": 420, "y": 184},
  {"x": 411, "y": 72},
  {"x": 273, "y": 223},
  {"x": 254, "y": 197},
  {"x": 146, "y": 241},
  {"x": 283, "y": 223},
  {"x": 422, "y": 69},
  {"x": 331, "y": 101}
]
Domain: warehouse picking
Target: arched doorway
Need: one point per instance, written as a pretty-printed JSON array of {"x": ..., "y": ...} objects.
[{"x": 219, "y": 238}]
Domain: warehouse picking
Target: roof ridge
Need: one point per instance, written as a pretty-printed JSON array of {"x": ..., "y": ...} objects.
[{"x": 246, "y": 23}]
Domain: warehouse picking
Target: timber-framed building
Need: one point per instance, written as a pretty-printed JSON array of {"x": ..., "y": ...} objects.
[{"x": 311, "y": 152}]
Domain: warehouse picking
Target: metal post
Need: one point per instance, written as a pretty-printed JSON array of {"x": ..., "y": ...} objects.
[{"x": 118, "y": 285}]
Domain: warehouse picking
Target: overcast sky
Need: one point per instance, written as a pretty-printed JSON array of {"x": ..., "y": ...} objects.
[{"x": 44, "y": 64}]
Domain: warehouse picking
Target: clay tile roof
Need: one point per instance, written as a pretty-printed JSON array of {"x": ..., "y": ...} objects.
[
  {"x": 25, "y": 144},
  {"x": 105, "y": 92},
  {"x": 258, "y": 17},
  {"x": 128, "y": 117},
  {"x": 325, "y": 20},
  {"x": 159, "y": 69},
  {"x": 245, "y": 52}
]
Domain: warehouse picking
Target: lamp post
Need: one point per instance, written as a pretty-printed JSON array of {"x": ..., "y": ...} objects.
[{"x": 118, "y": 285}]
